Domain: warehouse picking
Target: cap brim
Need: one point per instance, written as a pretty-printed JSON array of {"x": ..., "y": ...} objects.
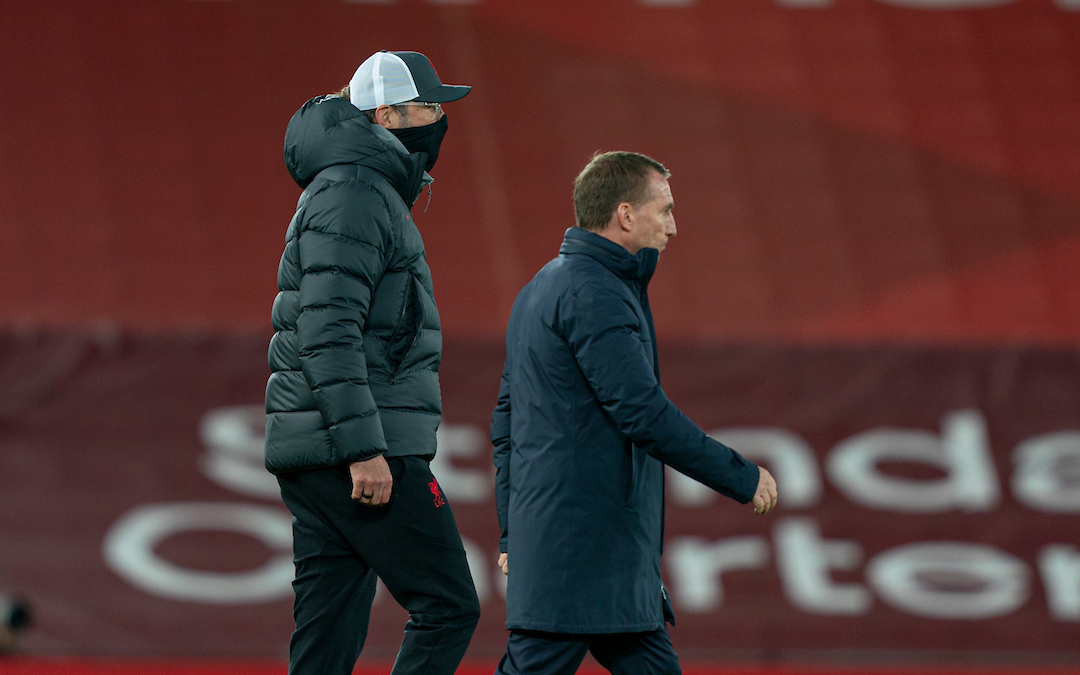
[{"x": 444, "y": 93}]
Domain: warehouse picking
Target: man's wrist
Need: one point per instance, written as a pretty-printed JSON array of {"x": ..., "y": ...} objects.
[{"x": 366, "y": 458}]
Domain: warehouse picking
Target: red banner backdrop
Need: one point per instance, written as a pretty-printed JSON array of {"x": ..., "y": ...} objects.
[
  {"x": 930, "y": 501},
  {"x": 875, "y": 291},
  {"x": 843, "y": 169}
]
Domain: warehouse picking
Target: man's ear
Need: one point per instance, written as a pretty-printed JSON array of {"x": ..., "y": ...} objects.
[
  {"x": 382, "y": 115},
  {"x": 625, "y": 214}
]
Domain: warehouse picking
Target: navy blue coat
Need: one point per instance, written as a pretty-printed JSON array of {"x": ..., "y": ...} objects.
[{"x": 581, "y": 432}]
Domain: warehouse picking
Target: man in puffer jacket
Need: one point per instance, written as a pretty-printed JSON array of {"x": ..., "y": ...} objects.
[{"x": 353, "y": 400}]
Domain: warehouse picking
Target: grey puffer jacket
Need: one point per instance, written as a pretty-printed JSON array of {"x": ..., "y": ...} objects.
[{"x": 355, "y": 358}]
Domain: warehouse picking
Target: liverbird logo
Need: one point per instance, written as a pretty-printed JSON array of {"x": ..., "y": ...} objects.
[{"x": 434, "y": 487}]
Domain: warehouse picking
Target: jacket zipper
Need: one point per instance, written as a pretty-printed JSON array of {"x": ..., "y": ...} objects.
[{"x": 401, "y": 322}]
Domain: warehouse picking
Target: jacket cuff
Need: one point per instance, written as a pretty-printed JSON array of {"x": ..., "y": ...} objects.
[
  {"x": 358, "y": 438},
  {"x": 357, "y": 457},
  {"x": 752, "y": 477}
]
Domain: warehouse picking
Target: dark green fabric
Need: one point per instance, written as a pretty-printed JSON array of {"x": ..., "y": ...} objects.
[{"x": 354, "y": 361}]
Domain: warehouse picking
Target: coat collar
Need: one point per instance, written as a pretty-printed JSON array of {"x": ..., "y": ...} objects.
[
  {"x": 329, "y": 131},
  {"x": 639, "y": 267}
]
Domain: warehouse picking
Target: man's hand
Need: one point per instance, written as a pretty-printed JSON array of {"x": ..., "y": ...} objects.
[
  {"x": 371, "y": 481},
  {"x": 504, "y": 564},
  {"x": 765, "y": 495}
]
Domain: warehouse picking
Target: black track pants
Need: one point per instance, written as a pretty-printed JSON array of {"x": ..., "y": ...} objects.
[{"x": 412, "y": 544}]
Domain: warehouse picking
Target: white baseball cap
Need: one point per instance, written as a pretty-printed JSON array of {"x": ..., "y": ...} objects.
[{"x": 389, "y": 78}]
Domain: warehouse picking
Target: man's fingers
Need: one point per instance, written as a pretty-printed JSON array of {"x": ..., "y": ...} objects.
[
  {"x": 364, "y": 491},
  {"x": 764, "y": 501},
  {"x": 372, "y": 481},
  {"x": 382, "y": 497},
  {"x": 770, "y": 502},
  {"x": 765, "y": 495},
  {"x": 374, "y": 493}
]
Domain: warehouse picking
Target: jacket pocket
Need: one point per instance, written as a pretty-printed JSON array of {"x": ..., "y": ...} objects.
[
  {"x": 633, "y": 490},
  {"x": 408, "y": 329}
]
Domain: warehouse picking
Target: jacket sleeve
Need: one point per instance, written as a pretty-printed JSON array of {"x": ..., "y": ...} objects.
[
  {"x": 342, "y": 248},
  {"x": 500, "y": 438},
  {"x": 602, "y": 329}
]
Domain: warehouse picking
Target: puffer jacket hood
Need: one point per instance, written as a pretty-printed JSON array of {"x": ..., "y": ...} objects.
[{"x": 329, "y": 130}]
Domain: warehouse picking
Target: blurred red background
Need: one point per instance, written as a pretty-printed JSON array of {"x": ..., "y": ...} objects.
[{"x": 879, "y": 226}]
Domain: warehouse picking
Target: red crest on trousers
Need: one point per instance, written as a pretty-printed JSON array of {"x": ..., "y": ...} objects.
[{"x": 435, "y": 490}]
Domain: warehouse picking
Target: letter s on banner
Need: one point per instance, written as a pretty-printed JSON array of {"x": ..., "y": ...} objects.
[
  {"x": 233, "y": 438},
  {"x": 129, "y": 550}
]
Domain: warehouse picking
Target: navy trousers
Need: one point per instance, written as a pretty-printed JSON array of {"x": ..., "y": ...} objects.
[
  {"x": 538, "y": 653},
  {"x": 340, "y": 546}
]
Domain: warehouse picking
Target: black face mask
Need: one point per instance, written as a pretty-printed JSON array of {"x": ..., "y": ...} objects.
[{"x": 426, "y": 139}]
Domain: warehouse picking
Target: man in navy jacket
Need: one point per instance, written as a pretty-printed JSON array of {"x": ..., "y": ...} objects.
[{"x": 582, "y": 432}]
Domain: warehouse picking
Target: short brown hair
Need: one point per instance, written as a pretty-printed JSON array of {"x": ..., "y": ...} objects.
[
  {"x": 610, "y": 179},
  {"x": 369, "y": 114}
]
